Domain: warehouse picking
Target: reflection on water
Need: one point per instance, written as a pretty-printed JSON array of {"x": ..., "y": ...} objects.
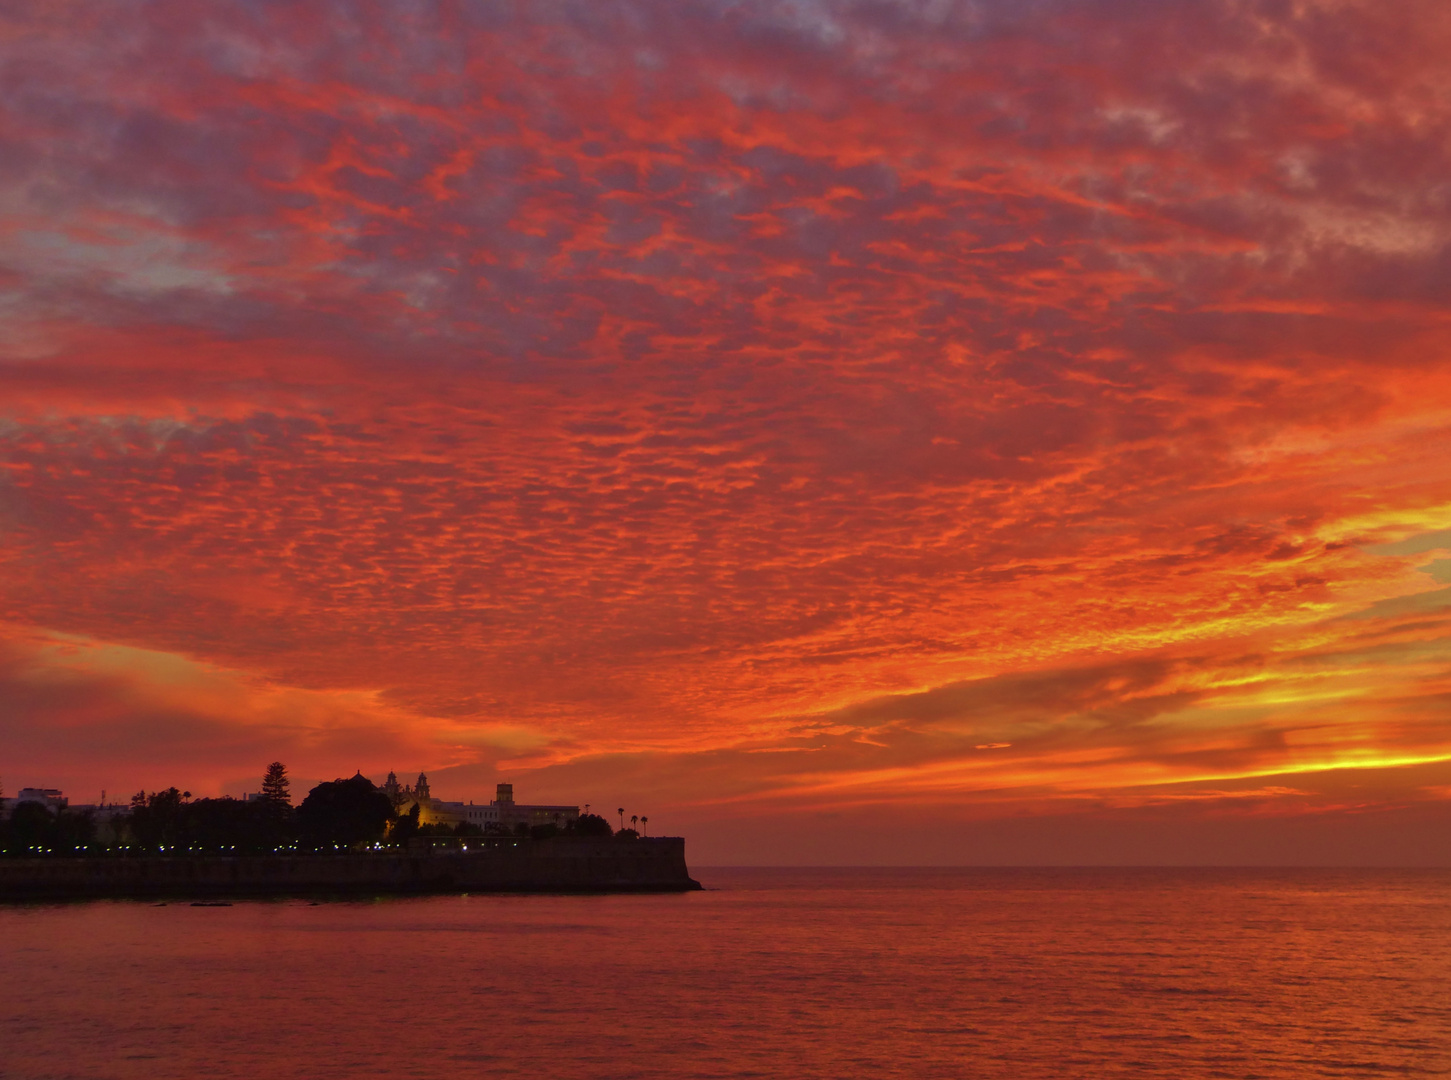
[{"x": 800, "y": 973}]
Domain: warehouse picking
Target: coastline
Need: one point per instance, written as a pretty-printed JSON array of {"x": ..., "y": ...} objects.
[{"x": 551, "y": 865}]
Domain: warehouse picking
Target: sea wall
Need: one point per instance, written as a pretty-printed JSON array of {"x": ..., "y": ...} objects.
[{"x": 556, "y": 864}]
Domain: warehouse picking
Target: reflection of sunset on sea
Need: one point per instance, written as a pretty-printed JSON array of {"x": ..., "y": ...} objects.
[{"x": 1031, "y": 417}]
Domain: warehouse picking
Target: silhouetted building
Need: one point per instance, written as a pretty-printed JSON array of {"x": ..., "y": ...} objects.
[
  {"x": 403, "y": 798},
  {"x": 53, "y": 798},
  {"x": 392, "y": 790}
]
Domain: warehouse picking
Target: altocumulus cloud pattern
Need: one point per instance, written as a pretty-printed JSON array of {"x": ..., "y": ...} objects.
[{"x": 777, "y": 405}]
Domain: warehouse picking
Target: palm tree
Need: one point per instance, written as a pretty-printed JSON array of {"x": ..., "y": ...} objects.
[
  {"x": 645, "y": 824},
  {"x": 634, "y": 820},
  {"x": 621, "y": 812}
]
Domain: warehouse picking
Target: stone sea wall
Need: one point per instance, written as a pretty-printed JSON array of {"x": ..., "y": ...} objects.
[{"x": 557, "y": 864}]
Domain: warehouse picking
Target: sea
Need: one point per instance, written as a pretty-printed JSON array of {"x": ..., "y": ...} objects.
[{"x": 771, "y": 973}]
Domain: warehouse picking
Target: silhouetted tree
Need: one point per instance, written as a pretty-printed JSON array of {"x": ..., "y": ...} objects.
[
  {"x": 231, "y": 825},
  {"x": 32, "y": 828},
  {"x": 634, "y": 820},
  {"x": 347, "y": 811},
  {"x": 621, "y": 812},
  {"x": 156, "y": 819},
  {"x": 275, "y": 785},
  {"x": 593, "y": 825},
  {"x": 74, "y": 829},
  {"x": 31, "y": 825},
  {"x": 405, "y": 826},
  {"x": 645, "y": 824}
]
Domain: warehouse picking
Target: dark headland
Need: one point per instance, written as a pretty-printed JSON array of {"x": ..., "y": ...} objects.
[
  {"x": 556, "y": 864},
  {"x": 348, "y": 838}
]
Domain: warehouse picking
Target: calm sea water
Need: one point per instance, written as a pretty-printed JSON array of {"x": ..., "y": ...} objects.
[{"x": 770, "y": 973}]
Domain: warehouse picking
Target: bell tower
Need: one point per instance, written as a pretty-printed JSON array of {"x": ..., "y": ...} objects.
[{"x": 392, "y": 790}]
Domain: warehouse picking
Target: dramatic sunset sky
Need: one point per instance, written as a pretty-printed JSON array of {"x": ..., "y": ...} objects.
[{"x": 997, "y": 431}]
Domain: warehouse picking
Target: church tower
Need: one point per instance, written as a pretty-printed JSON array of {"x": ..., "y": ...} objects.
[{"x": 422, "y": 789}]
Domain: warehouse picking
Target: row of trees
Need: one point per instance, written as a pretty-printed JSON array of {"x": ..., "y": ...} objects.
[
  {"x": 338, "y": 813},
  {"x": 32, "y": 827}
]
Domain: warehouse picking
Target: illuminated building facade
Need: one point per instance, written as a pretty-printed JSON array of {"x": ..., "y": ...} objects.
[{"x": 503, "y": 813}]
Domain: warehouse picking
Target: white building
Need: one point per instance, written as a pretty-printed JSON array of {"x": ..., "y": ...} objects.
[
  {"x": 503, "y": 812},
  {"x": 52, "y": 798},
  {"x": 512, "y": 814}
]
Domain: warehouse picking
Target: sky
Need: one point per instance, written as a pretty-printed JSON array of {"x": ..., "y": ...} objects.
[{"x": 855, "y": 432}]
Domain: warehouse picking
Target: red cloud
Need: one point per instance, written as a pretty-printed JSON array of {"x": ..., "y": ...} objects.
[{"x": 707, "y": 381}]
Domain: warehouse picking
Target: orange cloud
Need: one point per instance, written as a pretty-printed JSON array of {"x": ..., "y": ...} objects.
[{"x": 867, "y": 407}]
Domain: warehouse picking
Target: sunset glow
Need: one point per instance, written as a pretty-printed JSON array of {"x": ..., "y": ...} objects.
[{"x": 754, "y": 411}]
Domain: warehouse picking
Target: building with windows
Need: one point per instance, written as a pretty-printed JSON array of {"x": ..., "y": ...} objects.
[
  {"x": 511, "y": 814},
  {"x": 503, "y": 814}
]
